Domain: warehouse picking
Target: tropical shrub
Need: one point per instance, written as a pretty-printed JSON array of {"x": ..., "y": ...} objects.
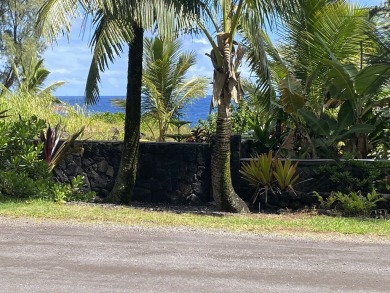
[
  {"x": 199, "y": 134},
  {"x": 352, "y": 203},
  {"x": 241, "y": 117},
  {"x": 350, "y": 175},
  {"x": 24, "y": 174},
  {"x": 50, "y": 139},
  {"x": 258, "y": 172}
]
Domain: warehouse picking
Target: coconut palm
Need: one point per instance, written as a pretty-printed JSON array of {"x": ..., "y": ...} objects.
[
  {"x": 225, "y": 18},
  {"x": 318, "y": 31},
  {"x": 116, "y": 24},
  {"x": 166, "y": 89},
  {"x": 33, "y": 76},
  {"x": 31, "y": 79},
  {"x": 315, "y": 39}
]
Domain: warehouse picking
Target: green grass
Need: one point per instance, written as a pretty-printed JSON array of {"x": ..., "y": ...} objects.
[
  {"x": 97, "y": 127},
  {"x": 293, "y": 224}
]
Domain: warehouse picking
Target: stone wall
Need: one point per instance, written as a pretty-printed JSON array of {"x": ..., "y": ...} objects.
[
  {"x": 167, "y": 172},
  {"x": 308, "y": 182},
  {"x": 178, "y": 173}
]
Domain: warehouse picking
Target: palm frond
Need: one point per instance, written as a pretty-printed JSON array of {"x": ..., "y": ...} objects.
[
  {"x": 56, "y": 17},
  {"x": 257, "y": 41},
  {"x": 107, "y": 42}
]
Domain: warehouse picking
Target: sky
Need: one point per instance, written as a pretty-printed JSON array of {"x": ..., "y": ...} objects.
[{"x": 69, "y": 61}]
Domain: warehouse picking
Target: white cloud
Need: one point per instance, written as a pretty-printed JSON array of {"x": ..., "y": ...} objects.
[
  {"x": 61, "y": 71},
  {"x": 203, "y": 41}
]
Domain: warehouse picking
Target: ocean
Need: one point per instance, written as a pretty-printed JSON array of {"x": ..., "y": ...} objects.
[{"x": 197, "y": 110}]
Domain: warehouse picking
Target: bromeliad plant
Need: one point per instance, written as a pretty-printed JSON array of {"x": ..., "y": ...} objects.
[
  {"x": 258, "y": 172},
  {"x": 266, "y": 174},
  {"x": 285, "y": 174}
]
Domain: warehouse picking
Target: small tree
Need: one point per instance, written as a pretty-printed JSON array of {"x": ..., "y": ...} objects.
[
  {"x": 19, "y": 37},
  {"x": 165, "y": 87}
]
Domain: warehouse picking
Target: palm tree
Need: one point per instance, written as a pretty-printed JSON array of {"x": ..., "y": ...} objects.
[
  {"x": 166, "y": 89},
  {"x": 226, "y": 17},
  {"x": 319, "y": 36},
  {"x": 318, "y": 31},
  {"x": 117, "y": 23},
  {"x": 31, "y": 79}
]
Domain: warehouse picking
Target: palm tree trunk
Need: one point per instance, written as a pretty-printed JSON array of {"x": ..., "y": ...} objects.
[
  {"x": 221, "y": 181},
  {"x": 223, "y": 192},
  {"x": 125, "y": 179}
]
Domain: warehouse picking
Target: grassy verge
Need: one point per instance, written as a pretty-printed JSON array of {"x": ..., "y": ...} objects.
[{"x": 297, "y": 224}]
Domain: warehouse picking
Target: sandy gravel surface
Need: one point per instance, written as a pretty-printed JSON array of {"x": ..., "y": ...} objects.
[{"x": 71, "y": 257}]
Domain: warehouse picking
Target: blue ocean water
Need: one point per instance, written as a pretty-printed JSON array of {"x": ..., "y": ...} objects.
[{"x": 197, "y": 110}]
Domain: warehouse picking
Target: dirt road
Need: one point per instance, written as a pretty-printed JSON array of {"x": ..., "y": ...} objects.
[{"x": 62, "y": 257}]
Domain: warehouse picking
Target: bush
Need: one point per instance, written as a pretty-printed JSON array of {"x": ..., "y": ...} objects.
[
  {"x": 351, "y": 204},
  {"x": 24, "y": 174},
  {"x": 351, "y": 175}
]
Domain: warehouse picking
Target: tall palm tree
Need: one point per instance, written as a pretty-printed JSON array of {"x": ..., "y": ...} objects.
[
  {"x": 117, "y": 23},
  {"x": 226, "y": 17}
]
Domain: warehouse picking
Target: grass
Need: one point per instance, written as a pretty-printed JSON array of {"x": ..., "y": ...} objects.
[
  {"x": 291, "y": 224},
  {"x": 97, "y": 127}
]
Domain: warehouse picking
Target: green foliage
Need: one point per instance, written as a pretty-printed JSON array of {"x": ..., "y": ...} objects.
[
  {"x": 209, "y": 124},
  {"x": 267, "y": 136},
  {"x": 352, "y": 203},
  {"x": 99, "y": 126},
  {"x": 351, "y": 175},
  {"x": 72, "y": 192},
  {"x": 17, "y": 148},
  {"x": 258, "y": 170},
  {"x": 23, "y": 173},
  {"x": 262, "y": 173},
  {"x": 199, "y": 134},
  {"x": 285, "y": 174},
  {"x": 327, "y": 132},
  {"x": 108, "y": 117},
  {"x": 32, "y": 78},
  {"x": 383, "y": 184},
  {"x": 19, "y": 37},
  {"x": 241, "y": 115}
]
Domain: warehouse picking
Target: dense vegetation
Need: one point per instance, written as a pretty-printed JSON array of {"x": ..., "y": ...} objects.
[{"x": 322, "y": 92}]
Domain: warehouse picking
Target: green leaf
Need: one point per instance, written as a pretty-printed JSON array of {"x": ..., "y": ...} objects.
[
  {"x": 358, "y": 128},
  {"x": 370, "y": 79},
  {"x": 345, "y": 117},
  {"x": 291, "y": 96},
  {"x": 341, "y": 77},
  {"x": 319, "y": 126}
]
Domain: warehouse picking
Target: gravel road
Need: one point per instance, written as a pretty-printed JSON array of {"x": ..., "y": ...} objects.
[{"x": 69, "y": 257}]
